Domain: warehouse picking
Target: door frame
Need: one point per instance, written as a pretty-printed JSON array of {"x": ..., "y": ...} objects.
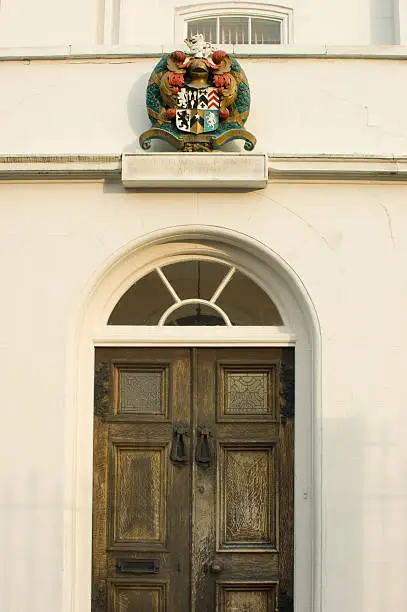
[{"x": 301, "y": 330}]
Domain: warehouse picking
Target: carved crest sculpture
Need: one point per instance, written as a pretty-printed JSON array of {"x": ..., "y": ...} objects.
[{"x": 198, "y": 101}]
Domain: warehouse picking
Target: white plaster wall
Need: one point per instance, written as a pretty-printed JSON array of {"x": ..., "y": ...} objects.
[
  {"x": 298, "y": 105},
  {"x": 384, "y": 22},
  {"x": 24, "y": 23},
  {"x": 136, "y": 22},
  {"x": 347, "y": 243},
  {"x": 402, "y": 21},
  {"x": 314, "y": 21}
]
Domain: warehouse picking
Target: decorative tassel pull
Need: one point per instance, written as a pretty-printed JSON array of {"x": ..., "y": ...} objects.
[
  {"x": 203, "y": 447},
  {"x": 179, "y": 452}
]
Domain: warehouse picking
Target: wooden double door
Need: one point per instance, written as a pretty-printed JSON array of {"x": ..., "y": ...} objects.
[{"x": 193, "y": 480}]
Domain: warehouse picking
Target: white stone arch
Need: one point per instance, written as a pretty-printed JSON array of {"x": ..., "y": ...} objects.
[{"x": 301, "y": 328}]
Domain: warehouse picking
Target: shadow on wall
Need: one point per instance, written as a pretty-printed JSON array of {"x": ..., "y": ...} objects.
[
  {"x": 365, "y": 509},
  {"x": 137, "y": 111},
  {"x": 344, "y": 473},
  {"x": 384, "y": 22},
  {"x": 31, "y": 533}
]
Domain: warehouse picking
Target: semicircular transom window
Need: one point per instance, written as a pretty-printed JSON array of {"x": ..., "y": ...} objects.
[{"x": 195, "y": 292}]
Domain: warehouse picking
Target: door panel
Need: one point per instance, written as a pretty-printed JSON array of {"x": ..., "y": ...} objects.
[
  {"x": 146, "y": 598},
  {"x": 246, "y": 392},
  {"x": 141, "y": 532},
  {"x": 242, "y": 559},
  {"x": 240, "y": 597},
  {"x": 193, "y": 480},
  {"x": 141, "y": 390},
  {"x": 247, "y": 492},
  {"x": 138, "y": 509}
]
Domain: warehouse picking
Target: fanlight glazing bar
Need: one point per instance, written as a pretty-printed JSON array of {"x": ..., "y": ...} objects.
[
  {"x": 181, "y": 303},
  {"x": 222, "y": 285},
  {"x": 168, "y": 285}
]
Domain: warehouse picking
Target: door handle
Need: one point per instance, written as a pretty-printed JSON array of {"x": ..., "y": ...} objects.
[
  {"x": 203, "y": 454},
  {"x": 215, "y": 566},
  {"x": 179, "y": 453}
]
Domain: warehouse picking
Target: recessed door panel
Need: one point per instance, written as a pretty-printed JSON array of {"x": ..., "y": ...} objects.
[
  {"x": 141, "y": 390},
  {"x": 249, "y": 597},
  {"x": 148, "y": 597},
  {"x": 246, "y": 392},
  {"x": 138, "y": 503},
  {"x": 248, "y": 497}
]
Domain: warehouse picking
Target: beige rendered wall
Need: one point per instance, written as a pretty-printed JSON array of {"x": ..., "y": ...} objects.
[
  {"x": 299, "y": 105},
  {"x": 346, "y": 242},
  {"x": 134, "y": 22}
]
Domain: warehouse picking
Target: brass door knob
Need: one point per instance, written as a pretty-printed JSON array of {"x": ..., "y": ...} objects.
[{"x": 216, "y": 566}]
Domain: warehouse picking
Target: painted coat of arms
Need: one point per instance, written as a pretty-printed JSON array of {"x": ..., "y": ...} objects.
[
  {"x": 197, "y": 110},
  {"x": 198, "y": 100}
]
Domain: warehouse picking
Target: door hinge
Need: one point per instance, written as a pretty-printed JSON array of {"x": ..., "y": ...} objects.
[
  {"x": 102, "y": 389},
  {"x": 99, "y": 599},
  {"x": 287, "y": 399},
  {"x": 285, "y": 602}
]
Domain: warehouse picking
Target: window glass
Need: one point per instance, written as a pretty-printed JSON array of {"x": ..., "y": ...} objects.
[
  {"x": 195, "y": 314},
  {"x": 207, "y": 27},
  {"x": 216, "y": 284},
  {"x": 233, "y": 30},
  {"x": 247, "y": 304},
  {"x": 265, "y": 32},
  {"x": 143, "y": 303},
  {"x": 195, "y": 278}
]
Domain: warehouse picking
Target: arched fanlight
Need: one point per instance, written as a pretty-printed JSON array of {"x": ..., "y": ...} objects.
[{"x": 195, "y": 292}]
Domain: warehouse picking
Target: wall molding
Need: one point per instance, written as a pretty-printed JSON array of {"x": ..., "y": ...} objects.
[
  {"x": 64, "y": 166},
  {"x": 108, "y": 52},
  {"x": 337, "y": 167},
  {"x": 320, "y": 167}
]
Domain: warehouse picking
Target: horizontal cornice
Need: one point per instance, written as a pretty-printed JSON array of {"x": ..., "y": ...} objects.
[
  {"x": 65, "y": 166},
  {"x": 281, "y": 167},
  {"x": 124, "y": 52},
  {"x": 337, "y": 167}
]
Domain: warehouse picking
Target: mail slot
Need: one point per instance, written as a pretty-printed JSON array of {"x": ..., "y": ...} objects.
[{"x": 138, "y": 566}]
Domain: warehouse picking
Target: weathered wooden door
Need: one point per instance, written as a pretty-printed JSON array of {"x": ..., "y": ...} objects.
[{"x": 193, "y": 480}]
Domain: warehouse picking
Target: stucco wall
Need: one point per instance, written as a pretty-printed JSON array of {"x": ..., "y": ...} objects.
[
  {"x": 48, "y": 22},
  {"x": 299, "y": 105},
  {"x": 347, "y": 243}
]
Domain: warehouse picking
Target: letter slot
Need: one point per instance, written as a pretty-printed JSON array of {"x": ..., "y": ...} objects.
[{"x": 137, "y": 566}]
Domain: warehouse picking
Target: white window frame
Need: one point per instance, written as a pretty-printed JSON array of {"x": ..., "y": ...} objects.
[{"x": 276, "y": 12}]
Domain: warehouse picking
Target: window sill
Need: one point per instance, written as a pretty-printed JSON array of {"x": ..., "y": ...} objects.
[{"x": 77, "y": 52}]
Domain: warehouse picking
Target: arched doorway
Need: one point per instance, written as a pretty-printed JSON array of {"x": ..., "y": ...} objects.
[{"x": 291, "y": 328}]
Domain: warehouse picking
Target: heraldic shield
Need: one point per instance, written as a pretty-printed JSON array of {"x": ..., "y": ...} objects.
[{"x": 197, "y": 110}]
